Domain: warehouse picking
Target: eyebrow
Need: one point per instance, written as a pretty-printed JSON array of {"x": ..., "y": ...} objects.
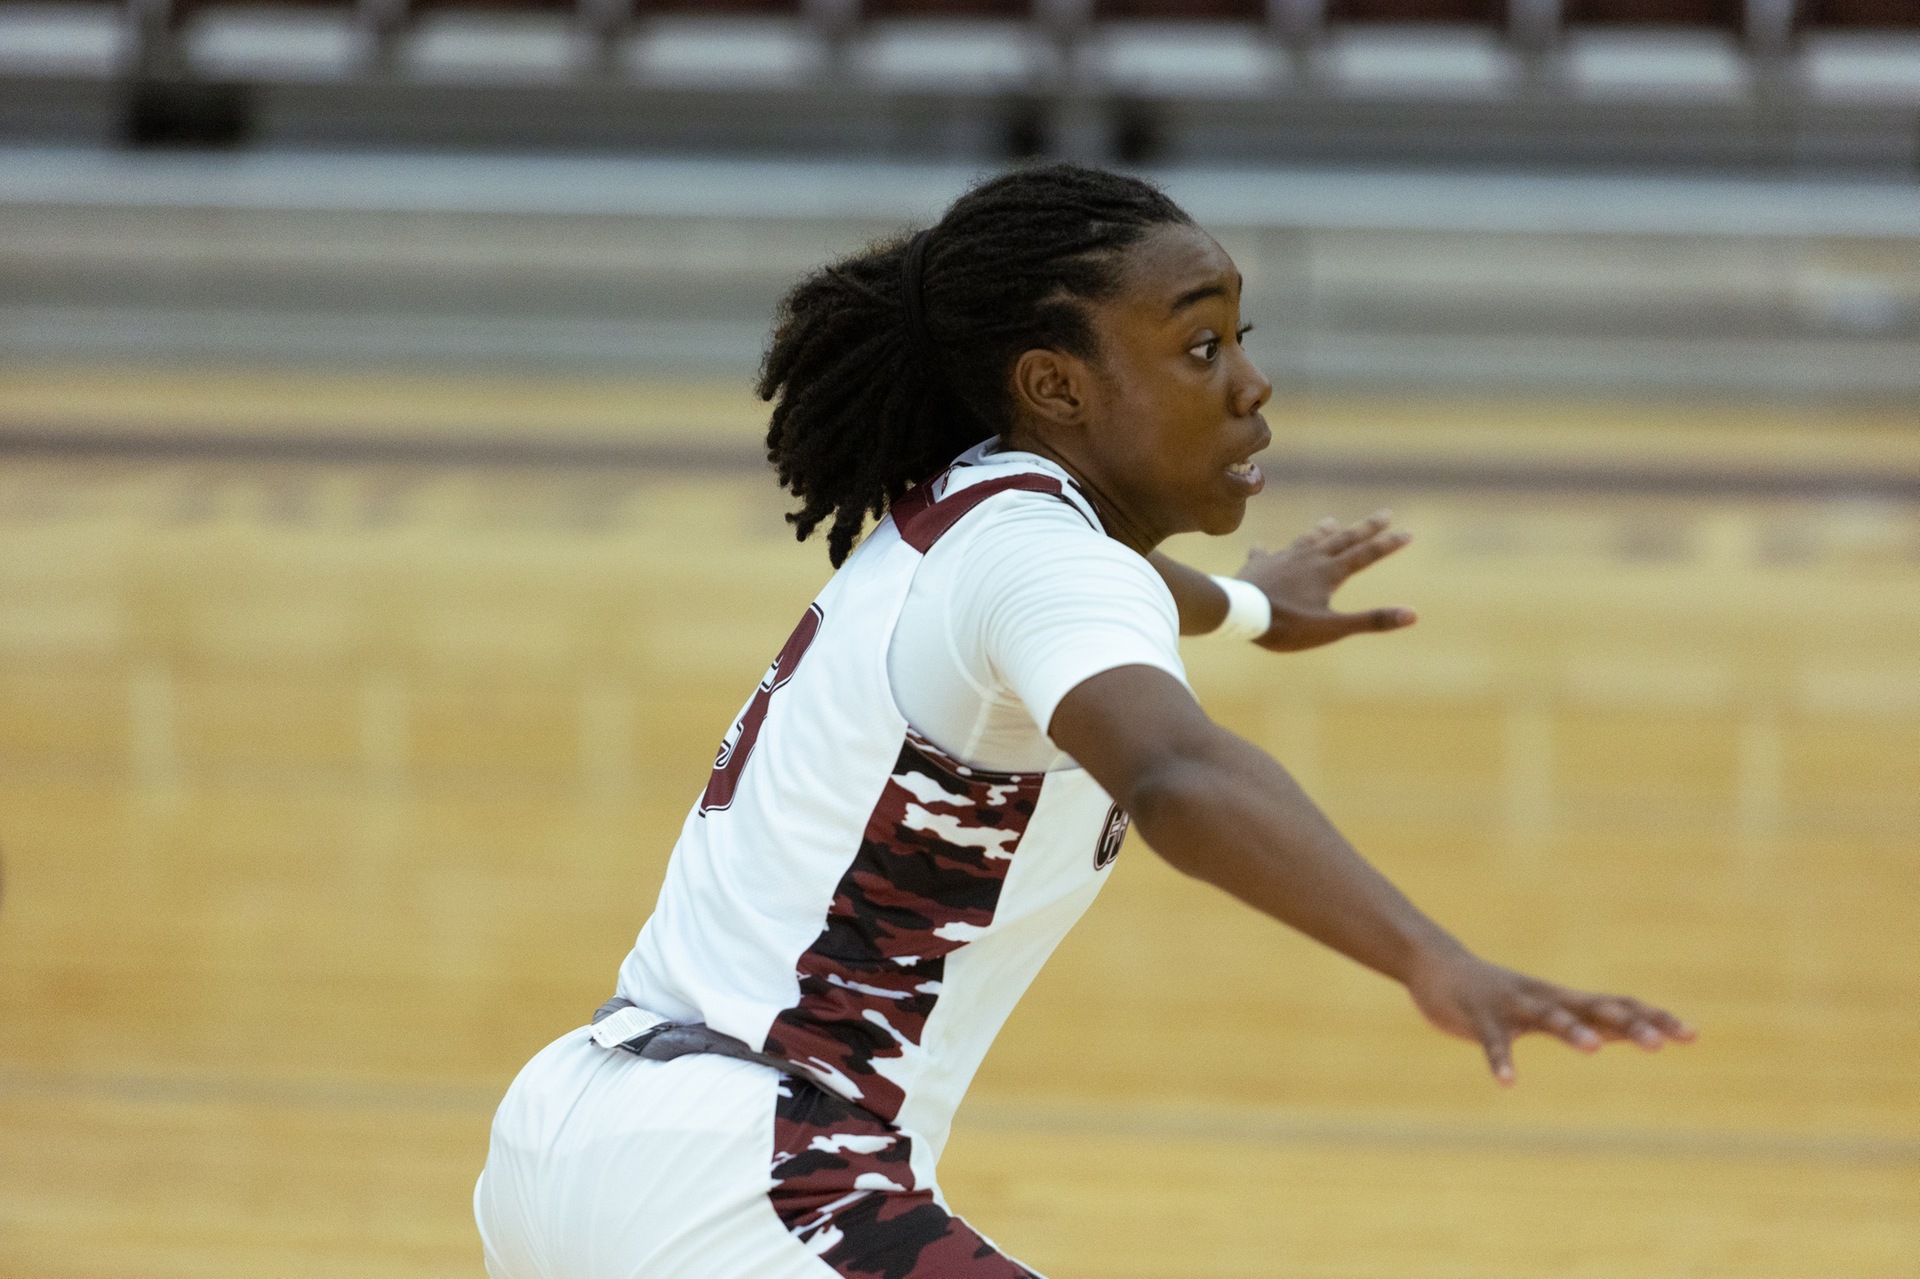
[{"x": 1192, "y": 296}]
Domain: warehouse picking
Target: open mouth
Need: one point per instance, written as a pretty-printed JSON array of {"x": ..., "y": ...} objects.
[{"x": 1247, "y": 475}]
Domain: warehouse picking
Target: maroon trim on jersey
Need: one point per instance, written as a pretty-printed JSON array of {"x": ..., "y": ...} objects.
[
  {"x": 925, "y": 881},
  {"x": 922, "y": 520},
  {"x": 843, "y": 1188}
]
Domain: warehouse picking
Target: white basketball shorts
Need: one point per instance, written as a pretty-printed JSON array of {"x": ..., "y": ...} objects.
[{"x": 605, "y": 1165}]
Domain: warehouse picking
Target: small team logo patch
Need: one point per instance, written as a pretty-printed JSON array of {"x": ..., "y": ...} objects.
[{"x": 1112, "y": 832}]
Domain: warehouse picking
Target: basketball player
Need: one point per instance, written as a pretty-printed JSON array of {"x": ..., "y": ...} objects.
[{"x": 934, "y": 777}]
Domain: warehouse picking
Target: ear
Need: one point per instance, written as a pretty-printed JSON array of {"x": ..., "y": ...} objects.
[{"x": 1051, "y": 387}]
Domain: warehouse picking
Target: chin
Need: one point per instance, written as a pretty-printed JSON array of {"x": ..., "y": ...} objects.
[{"x": 1221, "y": 520}]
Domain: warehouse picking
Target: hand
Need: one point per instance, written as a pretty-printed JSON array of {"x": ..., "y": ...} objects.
[
  {"x": 1466, "y": 996},
  {"x": 1300, "y": 582}
]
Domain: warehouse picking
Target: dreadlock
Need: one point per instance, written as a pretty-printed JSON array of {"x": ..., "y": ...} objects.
[{"x": 865, "y": 406}]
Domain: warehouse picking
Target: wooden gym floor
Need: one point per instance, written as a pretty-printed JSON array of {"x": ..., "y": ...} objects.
[{"x": 330, "y": 790}]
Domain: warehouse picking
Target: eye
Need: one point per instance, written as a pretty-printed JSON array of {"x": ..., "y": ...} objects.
[{"x": 1207, "y": 350}]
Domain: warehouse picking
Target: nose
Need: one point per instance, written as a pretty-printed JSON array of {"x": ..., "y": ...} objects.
[{"x": 1251, "y": 389}]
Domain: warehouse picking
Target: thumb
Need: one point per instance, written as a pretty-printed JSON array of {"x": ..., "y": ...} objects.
[{"x": 1498, "y": 1046}]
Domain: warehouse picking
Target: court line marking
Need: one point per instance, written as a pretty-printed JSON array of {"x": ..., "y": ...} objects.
[
  {"x": 1462, "y": 474},
  {"x": 1262, "y": 1127},
  {"x": 1162, "y": 1122},
  {"x": 214, "y": 1089},
  {"x": 207, "y": 446}
]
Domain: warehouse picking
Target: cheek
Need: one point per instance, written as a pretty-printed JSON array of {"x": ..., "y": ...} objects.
[
  {"x": 1163, "y": 435},
  {"x": 1139, "y": 439}
]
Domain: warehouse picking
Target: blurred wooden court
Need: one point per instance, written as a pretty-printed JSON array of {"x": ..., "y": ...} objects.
[{"x": 331, "y": 789}]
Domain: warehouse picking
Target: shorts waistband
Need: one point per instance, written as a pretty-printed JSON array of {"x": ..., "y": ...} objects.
[{"x": 620, "y": 1023}]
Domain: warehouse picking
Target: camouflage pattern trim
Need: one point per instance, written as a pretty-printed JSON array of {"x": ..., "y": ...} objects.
[
  {"x": 924, "y": 883},
  {"x": 843, "y": 1189}
]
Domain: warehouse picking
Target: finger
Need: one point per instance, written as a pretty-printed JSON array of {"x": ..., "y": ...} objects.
[
  {"x": 1373, "y": 619},
  {"x": 1355, "y": 558},
  {"x": 1652, "y": 1027},
  {"x": 1614, "y": 1016},
  {"x": 1349, "y": 537},
  {"x": 1498, "y": 1046},
  {"x": 1644, "y": 1024},
  {"x": 1319, "y": 533},
  {"x": 1672, "y": 1027},
  {"x": 1560, "y": 1022}
]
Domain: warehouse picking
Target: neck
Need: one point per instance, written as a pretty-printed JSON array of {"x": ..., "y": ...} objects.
[{"x": 1120, "y": 525}]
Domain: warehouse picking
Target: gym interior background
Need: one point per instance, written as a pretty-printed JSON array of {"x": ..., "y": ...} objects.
[{"x": 386, "y": 543}]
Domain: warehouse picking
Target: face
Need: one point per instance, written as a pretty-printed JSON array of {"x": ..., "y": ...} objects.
[{"x": 1163, "y": 425}]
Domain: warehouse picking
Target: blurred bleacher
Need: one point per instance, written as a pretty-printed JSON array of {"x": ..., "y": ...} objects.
[
  {"x": 1543, "y": 196},
  {"x": 1749, "y": 84},
  {"x": 670, "y": 266}
]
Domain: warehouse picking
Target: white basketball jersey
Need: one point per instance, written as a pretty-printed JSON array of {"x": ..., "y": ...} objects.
[{"x": 847, "y": 897}]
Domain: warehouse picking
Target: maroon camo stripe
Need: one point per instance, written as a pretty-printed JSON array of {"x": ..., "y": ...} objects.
[
  {"x": 843, "y": 1188},
  {"x": 927, "y": 878}
]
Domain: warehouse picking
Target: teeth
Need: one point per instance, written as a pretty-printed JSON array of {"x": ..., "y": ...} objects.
[{"x": 1241, "y": 469}]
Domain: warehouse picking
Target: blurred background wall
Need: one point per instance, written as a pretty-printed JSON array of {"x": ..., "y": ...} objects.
[{"x": 386, "y": 544}]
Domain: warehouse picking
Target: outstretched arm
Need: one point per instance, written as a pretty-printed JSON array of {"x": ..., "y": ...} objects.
[
  {"x": 1218, "y": 808},
  {"x": 1299, "y": 581}
]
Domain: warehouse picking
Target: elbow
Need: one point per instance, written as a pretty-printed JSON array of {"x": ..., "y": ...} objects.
[{"x": 1170, "y": 803}]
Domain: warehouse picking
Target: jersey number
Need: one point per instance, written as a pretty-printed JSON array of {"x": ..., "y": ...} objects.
[{"x": 732, "y": 759}]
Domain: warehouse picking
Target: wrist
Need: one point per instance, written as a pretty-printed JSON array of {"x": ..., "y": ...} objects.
[
  {"x": 1249, "y": 611},
  {"x": 1430, "y": 949}
]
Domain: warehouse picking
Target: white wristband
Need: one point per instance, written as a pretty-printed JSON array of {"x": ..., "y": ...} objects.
[{"x": 1249, "y": 612}]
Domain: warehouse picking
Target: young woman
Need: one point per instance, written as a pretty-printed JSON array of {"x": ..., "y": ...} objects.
[{"x": 931, "y": 782}]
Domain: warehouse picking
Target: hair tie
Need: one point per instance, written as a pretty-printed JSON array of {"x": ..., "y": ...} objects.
[{"x": 911, "y": 267}]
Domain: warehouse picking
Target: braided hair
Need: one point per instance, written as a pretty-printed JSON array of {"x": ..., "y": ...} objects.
[{"x": 875, "y": 389}]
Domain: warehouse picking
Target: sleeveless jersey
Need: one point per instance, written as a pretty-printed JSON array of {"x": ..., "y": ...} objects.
[{"x": 847, "y": 897}]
